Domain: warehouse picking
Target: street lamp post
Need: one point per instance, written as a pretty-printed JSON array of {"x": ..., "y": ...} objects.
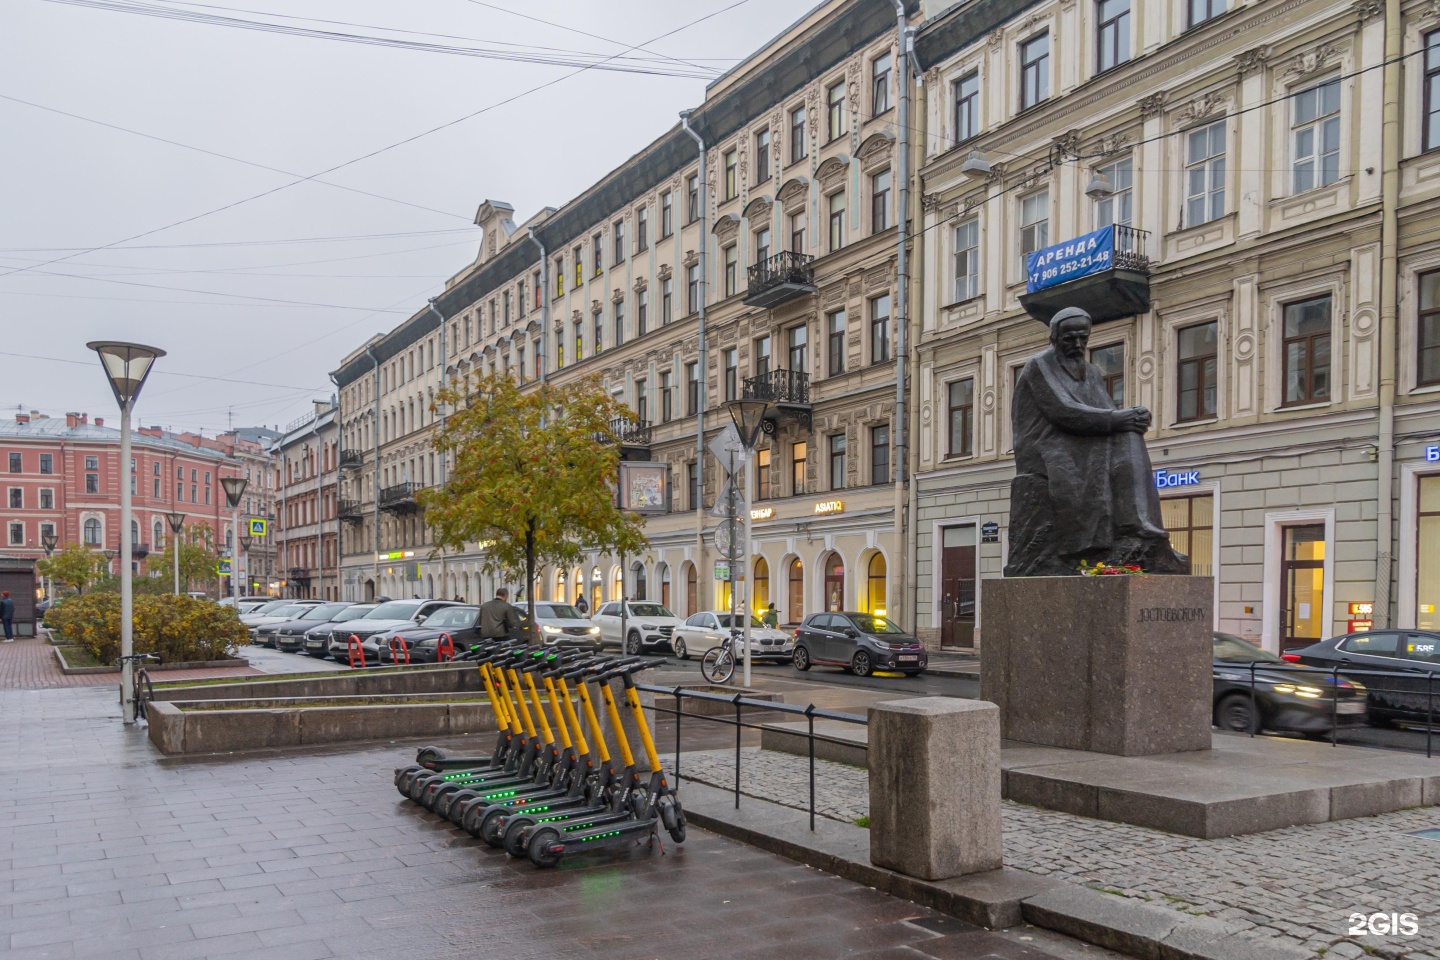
[
  {"x": 176, "y": 519},
  {"x": 749, "y": 417},
  {"x": 49, "y": 541},
  {"x": 234, "y": 490},
  {"x": 126, "y": 366},
  {"x": 245, "y": 541}
]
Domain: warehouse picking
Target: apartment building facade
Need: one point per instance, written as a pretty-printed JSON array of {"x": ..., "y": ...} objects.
[{"x": 305, "y": 539}]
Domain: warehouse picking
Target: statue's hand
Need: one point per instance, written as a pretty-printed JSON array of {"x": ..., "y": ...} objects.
[{"x": 1133, "y": 420}]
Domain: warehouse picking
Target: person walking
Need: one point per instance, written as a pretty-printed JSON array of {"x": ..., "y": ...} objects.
[
  {"x": 499, "y": 620},
  {"x": 770, "y": 618},
  {"x": 7, "y": 615},
  {"x": 581, "y": 605}
]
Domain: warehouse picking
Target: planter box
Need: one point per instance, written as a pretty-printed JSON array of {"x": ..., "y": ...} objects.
[
  {"x": 68, "y": 670},
  {"x": 402, "y": 681}
]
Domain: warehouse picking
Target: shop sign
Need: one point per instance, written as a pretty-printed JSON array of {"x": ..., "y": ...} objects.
[
  {"x": 1360, "y": 626},
  {"x": 1432, "y": 454},
  {"x": 763, "y": 513},
  {"x": 830, "y": 506},
  {"x": 1091, "y": 253},
  {"x": 1176, "y": 478},
  {"x": 989, "y": 532},
  {"x": 395, "y": 555}
]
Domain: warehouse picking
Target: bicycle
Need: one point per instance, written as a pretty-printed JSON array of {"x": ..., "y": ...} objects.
[
  {"x": 142, "y": 690},
  {"x": 718, "y": 664}
]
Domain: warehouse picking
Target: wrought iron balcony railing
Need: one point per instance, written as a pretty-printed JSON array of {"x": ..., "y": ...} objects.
[
  {"x": 779, "y": 278},
  {"x": 399, "y": 496},
  {"x": 631, "y": 433},
  {"x": 140, "y": 549},
  {"x": 789, "y": 387},
  {"x": 351, "y": 458},
  {"x": 349, "y": 510},
  {"x": 1130, "y": 247},
  {"x": 299, "y": 573}
]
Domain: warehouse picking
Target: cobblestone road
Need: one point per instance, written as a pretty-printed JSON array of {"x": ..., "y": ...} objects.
[{"x": 1300, "y": 884}]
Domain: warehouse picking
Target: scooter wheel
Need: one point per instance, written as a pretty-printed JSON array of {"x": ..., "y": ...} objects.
[
  {"x": 470, "y": 815},
  {"x": 517, "y": 840},
  {"x": 673, "y": 819},
  {"x": 540, "y": 843},
  {"x": 417, "y": 787},
  {"x": 427, "y": 754},
  {"x": 492, "y": 827},
  {"x": 403, "y": 773}
]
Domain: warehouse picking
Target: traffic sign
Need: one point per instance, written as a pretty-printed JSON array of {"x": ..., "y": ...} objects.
[
  {"x": 726, "y": 444},
  {"x": 722, "y": 502},
  {"x": 727, "y": 539},
  {"x": 257, "y": 528},
  {"x": 223, "y": 567}
]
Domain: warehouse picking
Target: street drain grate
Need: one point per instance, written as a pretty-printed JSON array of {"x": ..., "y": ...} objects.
[{"x": 1427, "y": 834}]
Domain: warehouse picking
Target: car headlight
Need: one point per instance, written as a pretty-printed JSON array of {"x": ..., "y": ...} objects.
[
  {"x": 648, "y": 626},
  {"x": 546, "y": 628},
  {"x": 880, "y": 644},
  {"x": 594, "y": 630},
  {"x": 1300, "y": 690}
]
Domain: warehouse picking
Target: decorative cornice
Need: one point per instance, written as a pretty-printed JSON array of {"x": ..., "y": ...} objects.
[
  {"x": 1201, "y": 107},
  {"x": 1310, "y": 62},
  {"x": 665, "y": 272},
  {"x": 617, "y": 296},
  {"x": 640, "y": 284},
  {"x": 1368, "y": 9}
]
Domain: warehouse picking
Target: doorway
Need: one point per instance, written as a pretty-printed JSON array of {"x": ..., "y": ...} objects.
[
  {"x": 834, "y": 583},
  {"x": 1302, "y": 586},
  {"x": 796, "y": 607},
  {"x": 957, "y": 586}
]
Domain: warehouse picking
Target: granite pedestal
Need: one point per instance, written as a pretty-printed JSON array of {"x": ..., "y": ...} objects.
[{"x": 1118, "y": 665}]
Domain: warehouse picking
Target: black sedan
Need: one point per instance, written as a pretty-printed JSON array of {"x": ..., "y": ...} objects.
[
  {"x": 462, "y": 624},
  {"x": 1410, "y": 658},
  {"x": 858, "y": 642},
  {"x": 290, "y": 634},
  {"x": 1285, "y": 699}
]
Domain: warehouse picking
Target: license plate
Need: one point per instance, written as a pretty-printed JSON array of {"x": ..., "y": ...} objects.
[
  {"x": 1350, "y": 707},
  {"x": 904, "y": 657}
]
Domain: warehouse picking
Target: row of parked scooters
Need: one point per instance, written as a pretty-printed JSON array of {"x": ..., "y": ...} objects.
[{"x": 545, "y": 789}]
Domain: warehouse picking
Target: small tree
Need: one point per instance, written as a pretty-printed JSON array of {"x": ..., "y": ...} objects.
[
  {"x": 74, "y": 567},
  {"x": 198, "y": 558},
  {"x": 532, "y": 475}
]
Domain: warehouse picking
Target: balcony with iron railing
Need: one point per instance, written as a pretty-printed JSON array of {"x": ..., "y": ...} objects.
[
  {"x": 779, "y": 278},
  {"x": 400, "y": 498},
  {"x": 139, "y": 549},
  {"x": 349, "y": 510},
  {"x": 350, "y": 459},
  {"x": 787, "y": 392},
  {"x": 299, "y": 573},
  {"x": 631, "y": 433},
  {"x": 1106, "y": 273}
]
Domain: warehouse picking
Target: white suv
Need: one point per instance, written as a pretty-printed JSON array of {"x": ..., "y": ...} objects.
[{"x": 647, "y": 625}]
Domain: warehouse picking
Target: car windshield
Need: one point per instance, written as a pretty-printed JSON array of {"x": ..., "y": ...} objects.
[
  {"x": 452, "y": 617},
  {"x": 403, "y": 610},
  {"x": 272, "y": 605},
  {"x": 726, "y": 620},
  {"x": 560, "y": 611},
  {"x": 1231, "y": 649},
  {"x": 876, "y": 626},
  {"x": 649, "y": 610},
  {"x": 323, "y": 611},
  {"x": 292, "y": 612},
  {"x": 354, "y": 613}
]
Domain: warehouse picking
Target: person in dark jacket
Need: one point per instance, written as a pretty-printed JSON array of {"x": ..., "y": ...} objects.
[
  {"x": 499, "y": 620},
  {"x": 7, "y": 615},
  {"x": 581, "y": 605}
]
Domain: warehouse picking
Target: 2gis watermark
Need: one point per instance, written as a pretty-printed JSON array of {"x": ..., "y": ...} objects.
[{"x": 1382, "y": 925}]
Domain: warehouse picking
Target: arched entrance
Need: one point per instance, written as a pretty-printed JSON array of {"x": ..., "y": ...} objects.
[
  {"x": 875, "y": 585},
  {"x": 692, "y": 605},
  {"x": 637, "y": 574},
  {"x": 617, "y": 585},
  {"x": 795, "y": 608},
  {"x": 369, "y": 591},
  {"x": 761, "y": 591},
  {"x": 834, "y": 588},
  {"x": 663, "y": 574}
]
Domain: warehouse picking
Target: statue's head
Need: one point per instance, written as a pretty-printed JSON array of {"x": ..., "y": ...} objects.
[{"x": 1070, "y": 332}]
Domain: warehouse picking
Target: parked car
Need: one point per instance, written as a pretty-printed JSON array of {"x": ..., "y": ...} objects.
[
  {"x": 258, "y": 622},
  {"x": 705, "y": 630},
  {"x": 316, "y": 641},
  {"x": 561, "y": 624},
  {"x": 231, "y": 601},
  {"x": 858, "y": 642},
  {"x": 289, "y": 636},
  {"x": 647, "y": 625},
  {"x": 1412, "y": 655},
  {"x": 1284, "y": 700},
  {"x": 270, "y": 611},
  {"x": 461, "y": 623},
  {"x": 395, "y": 615}
]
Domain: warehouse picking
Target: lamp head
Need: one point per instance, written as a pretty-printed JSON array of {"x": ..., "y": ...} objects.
[
  {"x": 749, "y": 417},
  {"x": 976, "y": 167},
  {"x": 176, "y": 521},
  {"x": 1099, "y": 187},
  {"x": 126, "y": 366},
  {"x": 234, "y": 489},
  {"x": 49, "y": 541}
]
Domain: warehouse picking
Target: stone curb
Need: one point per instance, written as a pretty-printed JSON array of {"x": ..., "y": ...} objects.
[
  {"x": 70, "y": 671},
  {"x": 996, "y": 899}
]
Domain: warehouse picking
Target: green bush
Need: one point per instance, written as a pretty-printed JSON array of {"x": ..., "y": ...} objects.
[{"x": 177, "y": 628}]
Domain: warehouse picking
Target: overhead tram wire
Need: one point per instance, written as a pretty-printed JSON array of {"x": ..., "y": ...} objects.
[
  {"x": 157, "y": 373},
  {"x": 373, "y": 153},
  {"x": 255, "y": 243}
]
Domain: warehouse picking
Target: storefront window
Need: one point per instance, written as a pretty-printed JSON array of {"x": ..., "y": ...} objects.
[
  {"x": 875, "y": 586},
  {"x": 796, "y": 611},
  {"x": 561, "y": 594},
  {"x": 1302, "y": 586},
  {"x": 1427, "y": 580},
  {"x": 1191, "y": 522},
  {"x": 834, "y": 584},
  {"x": 762, "y": 585}
]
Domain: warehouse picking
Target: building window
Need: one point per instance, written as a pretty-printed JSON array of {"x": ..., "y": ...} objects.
[
  {"x": 880, "y": 84},
  {"x": 667, "y": 398},
  {"x": 692, "y": 288},
  {"x": 92, "y": 532},
  {"x": 732, "y": 269},
  {"x": 579, "y": 342},
  {"x": 692, "y": 484},
  {"x": 667, "y": 214},
  {"x": 520, "y": 298},
  {"x": 880, "y": 454},
  {"x": 731, "y": 360},
  {"x": 47, "y": 498},
  {"x": 1315, "y": 135},
  {"x": 46, "y": 530},
  {"x": 1427, "y": 559},
  {"x": 798, "y": 453},
  {"x": 642, "y": 402},
  {"x": 966, "y": 92},
  {"x": 598, "y": 322},
  {"x": 559, "y": 290},
  {"x": 92, "y": 483},
  {"x": 1034, "y": 71},
  {"x": 578, "y": 255},
  {"x": 732, "y": 177},
  {"x": 559, "y": 353},
  {"x": 1307, "y": 351},
  {"x": 642, "y": 312},
  {"x": 1113, "y": 39},
  {"x": 539, "y": 358},
  {"x": 1034, "y": 224},
  {"x": 967, "y": 260},
  {"x": 1118, "y": 207},
  {"x": 835, "y": 342},
  {"x": 1427, "y": 371},
  {"x": 798, "y": 222},
  {"x": 1111, "y": 361},
  {"x": 17, "y": 498},
  {"x": 15, "y": 463},
  {"x": 47, "y": 463},
  {"x": 667, "y": 300},
  {"x": 762, "y": 156},
  {"x": 799, "y": 347},
  {"x": 762, "y": 245},
  {"x": 156, "y": 494},
  {"x": 961, "y": 397},
  {"x": 1190, "y": 522},
  {"x": 762, "y": 357},
  {"x": 619, "y": 322},
  {"x": 93, "y": 463},
  {"x": 1205, "y": 173},
  {"x": 1197, "y": 372},
  {"x": 797, "y": 135},
  {"x": 597, "y": 251},
  {"x": 642, "y": 229},
  {"x": 617, "y": 230},
  {"x": 837, "y": 461},
  {"x": 836, "y": 203},
  {"x": 880, "y": 329},
  {"x": 835, "y": 111},
  {"x": 762, "y": 474},
  {"x": 1202, "y": 10},
  {"x": 880, "y": 201},
  {"x": 17, "y": 534},
  {"x": 692, "y": 388},
  {"x": 692, "y": 198}
]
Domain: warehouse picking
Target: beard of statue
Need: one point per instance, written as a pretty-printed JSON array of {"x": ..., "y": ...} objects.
[{"x": 1070, "y": 340}]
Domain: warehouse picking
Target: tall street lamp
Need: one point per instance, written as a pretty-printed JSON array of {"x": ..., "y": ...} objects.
[
  {"x": 749, "y": 417},
  {"x": 176, "y": 519},
  {"x": 234, "y": 490},
  {"x": 245, "y": 541},
  {"x": 49, "y": 541},
  {"x": 126, "y": 367}
]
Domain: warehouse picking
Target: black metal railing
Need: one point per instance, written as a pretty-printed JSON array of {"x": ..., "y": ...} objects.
[
  {"x": 779, "y": 386},
  {"x": 782, "y": 268},
  {"x": 739, "y": 702},
  {"x": 299, "y": 573},
  {"x": 139, "y": 549},
  {"x": 349, "y": 510},
  {"x": 351, "y": 458},
  {"x": 1130, "y": 247},
  {"x": 400, "y": 493},
  {"x": 635, "y": 433}
]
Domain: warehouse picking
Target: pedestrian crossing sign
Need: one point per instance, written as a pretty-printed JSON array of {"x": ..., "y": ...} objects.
[
  {"x": 257, "y": 528},
  {"x": 223, "y": 567}
]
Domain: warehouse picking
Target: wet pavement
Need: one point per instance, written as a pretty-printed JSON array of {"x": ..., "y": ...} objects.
[{"x": 108, "y": 850}]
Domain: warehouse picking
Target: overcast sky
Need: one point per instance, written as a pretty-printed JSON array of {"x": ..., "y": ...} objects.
[{"x": 220, "y": 293}]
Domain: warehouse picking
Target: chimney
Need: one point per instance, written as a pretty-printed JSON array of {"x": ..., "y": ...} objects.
[
  {"x": 99, "y": 422},
  {"x": 22, "y": 418},
  {"x": 84, "y": 419},
  {"x": 72, "y": 420}
]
